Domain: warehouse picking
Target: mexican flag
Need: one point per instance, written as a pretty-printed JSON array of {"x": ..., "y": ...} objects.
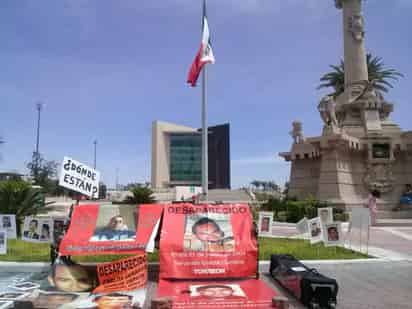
[{"x": 204, "y": 55}]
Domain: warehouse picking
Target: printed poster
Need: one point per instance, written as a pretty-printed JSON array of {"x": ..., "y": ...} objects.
[
  {"x": 3, "y": 242},
  {"x": 332, "y": 234},
  {"x": 111, "y": 229},
  {"x": 315, "y": 230},
  {"x": 122, "y": 275},
  {"x": 248, "y": 293},
  {"x": 38, "y": 230},
  {"x": 8, "y": 223},
  {"x": 265, "y": 223},
  {"x": 207, "y": 241}
]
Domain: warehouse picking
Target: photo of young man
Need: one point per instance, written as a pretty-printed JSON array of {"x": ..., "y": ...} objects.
[
  {"x": 6, "y": 222},
  {"x": 115, "y": 229},
  {"x": 67, "y": 276},
  {"x": 115, "y": 301},
  {"x": 207, "y": 235},
  {"x": 217, "y": 292},
  {"x": 315, "y": 231},
  {"x": 31, "y": 232},
  {"x": 265, "y": 222},
  {"x": 264, "y": 225},
  {"x": 332, "y": 234}
]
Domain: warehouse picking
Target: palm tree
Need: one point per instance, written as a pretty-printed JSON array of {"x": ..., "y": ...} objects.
[
  {"x": 376, "y": 72},
  {"x": 141, "y": 195},
  {"x": 17, "y": 197}
]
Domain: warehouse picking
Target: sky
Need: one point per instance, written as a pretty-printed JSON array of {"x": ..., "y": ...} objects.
[{"x": 105, "y": 69}]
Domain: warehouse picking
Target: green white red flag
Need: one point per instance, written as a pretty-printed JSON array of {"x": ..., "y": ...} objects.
[{"x": 205, "y": 53}]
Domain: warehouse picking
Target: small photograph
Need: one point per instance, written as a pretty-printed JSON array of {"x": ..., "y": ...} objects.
[
  {"x": 5, "y": 296},
  {"x": 58, "y": 228},
  {"x": 332, "y": 234},
  {"x": 8, "y": 223},
  {"x": 209, "y": 233},
  {"x": 37, "y": 229},
  {"x": 116, "y": 223},
  {"x": 3, "y": 242},
  {"x": 265, "y": 223},
  {"x": 217, "y": 291},
  {"x": 314, "y": 227},
  {"x": 115, "y": 300},
  {"x": 325, "y": 215},
  {"x": 302, "y": 226},
  {"x": 26, "y": 286},
  {"x": 4, "y": 304},
  {"x": 53, "y": 300}
]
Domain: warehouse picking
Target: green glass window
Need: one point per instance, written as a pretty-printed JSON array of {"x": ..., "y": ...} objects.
[{"x": 185, "y": 158}]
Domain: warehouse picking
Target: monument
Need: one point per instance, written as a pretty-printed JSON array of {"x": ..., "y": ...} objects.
[{"x": 360, "y": 148}]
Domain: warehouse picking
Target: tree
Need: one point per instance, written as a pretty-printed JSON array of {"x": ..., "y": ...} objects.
[
  {"x": 377, "y": 74},
  {"x": 43, "y": 172},
  {"x": 141, "y": 195},
  {"x": 17, "y": 197}
]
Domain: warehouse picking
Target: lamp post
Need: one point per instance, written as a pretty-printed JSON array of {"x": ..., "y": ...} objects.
[
  {"x": 95, "y": 153},
  {"x": 39, "y": 107}
]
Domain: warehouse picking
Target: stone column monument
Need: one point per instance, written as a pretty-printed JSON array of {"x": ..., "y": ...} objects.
[{"x": 360, "y": 148}]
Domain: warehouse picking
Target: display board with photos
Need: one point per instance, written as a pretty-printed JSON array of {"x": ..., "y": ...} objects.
[
  {"x": 207, "y": 241},
  {"x": 325, "y": 215},
  {"x": 111, "y": 229},
  {"x": 302, "y": 226},
  {"x": 38, "y": 229},
  {"x": 315, "y": 230},
  {"x": 332, "y": 234},
  {"x": 8, "y": 223},
  {"x": 247, "y": 293},
  {"x": 3, "y": 242},
  {"x": 265, "y": 223}
]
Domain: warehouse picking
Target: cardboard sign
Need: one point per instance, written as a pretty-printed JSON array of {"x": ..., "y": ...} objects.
[
  {"x": 248, "y": 293},
  {"x": 360, "y": 218},
  {"x": 36, "y": 229},
  {"x": 315, "y": 230},
  {"x": 110, "y": 229},
  {"x": 79, "y": 177},
  {"x": 207, "y": 241},
  {"x": 325, "y": 215},
  {"x": 265, "y": 223},
  {"x": 122, "y": 275},
  {"x": 186, "y": 193},
  {"x": 3, "y": 242},
  {"x": 302, "y": 226},
  {"x": 8, "y": 223},
  {"x": 332, "y": 234}
]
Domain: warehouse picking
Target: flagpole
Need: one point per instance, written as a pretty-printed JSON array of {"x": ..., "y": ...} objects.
[{"x": 205, "y": 165}]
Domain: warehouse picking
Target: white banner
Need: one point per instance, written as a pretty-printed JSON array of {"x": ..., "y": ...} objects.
[
  {"x": 360, "y": 218},
  {"x": 186, "y": 193},
  {"x": 79, "y": 177},
  {"x": 3, "y": 242},
  {"x": 8, "y": 223}
]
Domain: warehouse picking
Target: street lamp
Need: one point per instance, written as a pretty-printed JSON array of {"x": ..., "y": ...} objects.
[
  {"x": 95, "y": 153},
  {"x": 39, "y": 106}
]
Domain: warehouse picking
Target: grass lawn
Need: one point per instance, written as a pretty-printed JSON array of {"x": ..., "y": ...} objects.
[{"x": 22, "y": 251}]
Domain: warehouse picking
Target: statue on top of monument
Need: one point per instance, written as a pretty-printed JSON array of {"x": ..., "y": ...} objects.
[
  {"x": 296, "y": 132},
  {"x": 327, "y": 110}
]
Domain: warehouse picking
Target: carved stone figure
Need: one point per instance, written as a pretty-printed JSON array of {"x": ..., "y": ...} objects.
[
  {"x": 379, "y": 177},
  {"x": 327, "y": 110},
  {"x": 356, "y": 27},
  {"x": 296, "y": 132}
]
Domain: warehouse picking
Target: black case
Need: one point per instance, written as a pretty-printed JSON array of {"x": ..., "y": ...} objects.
[{"x": 314, "y": 290}]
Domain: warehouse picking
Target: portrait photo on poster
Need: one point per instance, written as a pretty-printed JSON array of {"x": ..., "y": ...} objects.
[
  {"x": 208, "y": 232},
  {"x": 4, "y": 296},
  {"x": 332, "y": 234},
  {"x": 116, "y": 223},
  {"x": 265, "y": 223},
  {"x": 325, "y": 215},
  {"x": 315, "y": 231},
  {"x": 53, "y": 299},
  {"x": 68, "y": 276},
  {"x": 216, "y": 291},
  {"x": 3, "y": 242},
  {"x": 121, "y": 299},
  {"x": 37, "y": 229},
  {"x": 8, "y": 223}
]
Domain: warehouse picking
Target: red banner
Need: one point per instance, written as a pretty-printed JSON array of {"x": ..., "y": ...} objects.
[
  {"x": 248, "y": 293},
  {"x": 122, "y": 275},
  {"x": 110, "y": 229},
  {"x": 207, "y": 241}
]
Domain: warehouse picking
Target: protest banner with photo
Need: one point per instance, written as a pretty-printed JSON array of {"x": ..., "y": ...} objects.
[
  {"x": 110, "y": 229},
  {"x": 79, "y": 177},
  {"x": 265, "y": 223},
  {"x": 3, "y": 242},
  {"x": 38, "y": 230},
  {"x": 123, "y": 275},
  {"x": 315, "y": 230},
  {"x": 302, "y": 226},
  {"x": 207, "y": 241},
  {"x": 332, "y": 234},
  {"x": 248, "y": 293},
  {"x": 8, "y": 223},
  {"x": 325, "y": 215}
]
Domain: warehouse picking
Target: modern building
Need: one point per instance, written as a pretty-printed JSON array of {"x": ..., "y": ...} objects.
[{"x": 177, "y": 156}]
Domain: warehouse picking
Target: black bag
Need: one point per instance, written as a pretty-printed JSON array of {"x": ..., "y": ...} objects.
[{"x": 311, "y": 288}]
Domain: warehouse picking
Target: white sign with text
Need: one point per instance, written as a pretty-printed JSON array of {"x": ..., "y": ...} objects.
[{"x": 79, "y": 177}]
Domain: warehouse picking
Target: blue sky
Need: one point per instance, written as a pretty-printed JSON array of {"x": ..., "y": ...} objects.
[{"x": 106, "y": 69}]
